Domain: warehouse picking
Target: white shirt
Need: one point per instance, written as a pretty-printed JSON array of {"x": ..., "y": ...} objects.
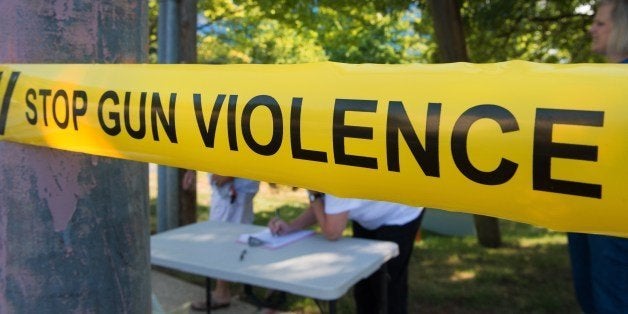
[
  {"x": 372, "y": 214},
  {"x": 241, "y": 185}
]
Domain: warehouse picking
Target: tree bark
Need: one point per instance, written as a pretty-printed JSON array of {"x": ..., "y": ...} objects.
[
  {"x": 452, "y": 48},
  {"x": 187, "y": 54},
  {"x": 448, "y": 29}
]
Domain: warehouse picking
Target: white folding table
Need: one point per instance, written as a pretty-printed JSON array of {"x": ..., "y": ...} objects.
[{"x": 312, "y": 267}]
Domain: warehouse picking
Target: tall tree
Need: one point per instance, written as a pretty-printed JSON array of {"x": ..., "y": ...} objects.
[
  {"x": 452, "y": 48},
  {"x": 448, "y": 31},
  {"x": 187, "y": 54}
]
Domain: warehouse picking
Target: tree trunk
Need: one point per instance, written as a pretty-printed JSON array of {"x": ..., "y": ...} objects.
[
  {"x": 450, "y": 38},
  {"x": 488, "y": 232},
  {"x": 187, "y": 54},
  {"x": 452, "y": 48}
]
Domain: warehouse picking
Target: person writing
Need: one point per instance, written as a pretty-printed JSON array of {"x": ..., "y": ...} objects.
[
  {"x": 375, "y": 220},
  {"x": 600, "y": 263}
]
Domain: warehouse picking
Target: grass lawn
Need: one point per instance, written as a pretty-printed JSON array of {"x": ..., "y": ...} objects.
[{"x": 530, "y": 273}]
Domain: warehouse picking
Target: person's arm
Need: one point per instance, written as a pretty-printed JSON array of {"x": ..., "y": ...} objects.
[
  {"x": 220, "y": 180},
  {"x": 280, "y": 227},
  {"x": 331, "y": 225},
  {"x": 189, "y": 179}
]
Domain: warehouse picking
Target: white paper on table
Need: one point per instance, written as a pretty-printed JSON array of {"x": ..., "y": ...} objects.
[{"x": 273, "y": 242}]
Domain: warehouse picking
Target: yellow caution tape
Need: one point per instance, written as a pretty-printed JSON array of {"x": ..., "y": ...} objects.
[{"x": 536, "y": 143}]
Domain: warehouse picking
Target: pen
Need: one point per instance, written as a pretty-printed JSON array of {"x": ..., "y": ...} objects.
[
  {"x": 232, "y": 194},
  {"x": 242, "y": 255}
]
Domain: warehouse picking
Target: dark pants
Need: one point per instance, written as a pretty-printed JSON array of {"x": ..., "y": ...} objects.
[
  {"x": 600, "y": 272},
  {"x": 367, "y": 291}
]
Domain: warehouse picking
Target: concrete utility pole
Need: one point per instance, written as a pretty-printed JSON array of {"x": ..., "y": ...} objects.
[
  {"x": 74, "y": 231},
  {"x": 176, "y": 36},
  {"x": 168, "y": 177}
]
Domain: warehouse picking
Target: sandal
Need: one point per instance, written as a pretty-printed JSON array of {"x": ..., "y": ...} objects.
[{"x": 202, "y": 305}]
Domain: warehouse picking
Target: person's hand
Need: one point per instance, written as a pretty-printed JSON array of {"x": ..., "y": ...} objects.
[
  {"x": 278, "y": 226},
  {"x": 219, "y": 180},
  {"x": 189, "y": 179}
]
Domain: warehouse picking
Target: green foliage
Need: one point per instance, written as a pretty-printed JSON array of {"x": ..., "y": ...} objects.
[
  {"x": 541, "y": 31},
  {"x": 152, "y": 30},
  {"x": 373, "y": 31},
  {"x": 365, "y": 35},
  {"x": 291, "y": 31},
  {"x": 393, "y": 31},
  {"x": 243, "y": 34},
  {"x": 268, "y": 43}
]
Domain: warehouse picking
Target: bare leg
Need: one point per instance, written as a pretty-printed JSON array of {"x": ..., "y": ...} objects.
[
  {"x": 219, "y": 298},
  {"x": 221, "y": 293}
]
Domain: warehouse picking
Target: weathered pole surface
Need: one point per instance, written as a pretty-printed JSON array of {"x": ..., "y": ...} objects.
[
  {"x": 168, "y": 184},
  {"x": 74, "y": 228},
  {"x": 176, "y": 204}
]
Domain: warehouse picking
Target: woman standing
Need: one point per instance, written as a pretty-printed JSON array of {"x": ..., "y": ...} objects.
[{"x": 600, "y": 263}]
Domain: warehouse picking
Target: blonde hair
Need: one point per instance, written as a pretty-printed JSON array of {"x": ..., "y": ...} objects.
[{"x": 618, "y": 38}]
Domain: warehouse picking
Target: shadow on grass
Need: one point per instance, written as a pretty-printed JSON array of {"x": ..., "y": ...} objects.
[{"x": 530, "y": 273}]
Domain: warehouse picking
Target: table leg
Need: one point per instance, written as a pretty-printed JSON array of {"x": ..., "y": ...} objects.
[
  {"x": 208, "y": 294},
  {"x": 383, "y": 272},
  {"x": 332, "y": 307}
]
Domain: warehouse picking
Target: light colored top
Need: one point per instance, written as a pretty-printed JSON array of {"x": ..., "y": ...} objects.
[
  {"x": 372, "y": 214},
  {"x": 233, "y": 201},
  {"x": 312, "y": 267},
  {"x": 241, "y": 185}
]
